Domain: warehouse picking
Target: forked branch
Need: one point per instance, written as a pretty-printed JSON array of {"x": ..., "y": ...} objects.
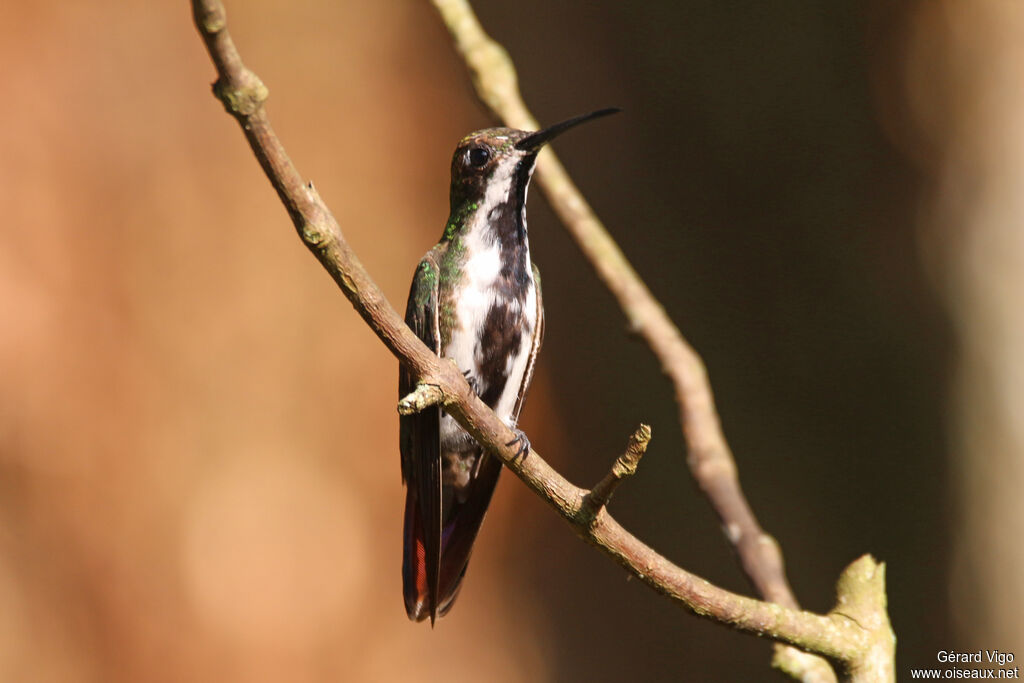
[{"x": 860, "y": 650}]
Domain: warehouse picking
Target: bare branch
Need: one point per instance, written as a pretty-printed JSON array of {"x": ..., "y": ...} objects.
[{"x": 833, "y": 635}]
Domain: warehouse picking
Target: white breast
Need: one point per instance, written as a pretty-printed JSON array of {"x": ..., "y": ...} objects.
[
  {"x": 477, "y": 297},
  {"x": 471, "y": 308}
]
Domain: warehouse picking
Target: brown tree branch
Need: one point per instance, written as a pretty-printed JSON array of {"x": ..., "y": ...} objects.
[{"x": 835, "y": 635}]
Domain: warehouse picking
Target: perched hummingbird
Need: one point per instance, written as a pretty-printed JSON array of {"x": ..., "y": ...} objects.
[{"x": 475, "y": 299}]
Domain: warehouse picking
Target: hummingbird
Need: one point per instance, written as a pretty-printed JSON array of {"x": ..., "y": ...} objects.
[{"x": 475, "y": 299}]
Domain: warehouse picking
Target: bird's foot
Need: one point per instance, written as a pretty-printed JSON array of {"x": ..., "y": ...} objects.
[
  {"x": 524, "y": 444},
  {"x": 471, "y": 381}
]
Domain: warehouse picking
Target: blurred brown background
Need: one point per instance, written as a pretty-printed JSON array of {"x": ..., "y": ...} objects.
[{"x": 198, "y": 441}]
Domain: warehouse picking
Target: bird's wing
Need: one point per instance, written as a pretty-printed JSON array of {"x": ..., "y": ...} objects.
[{"x": 420, "y": 444}]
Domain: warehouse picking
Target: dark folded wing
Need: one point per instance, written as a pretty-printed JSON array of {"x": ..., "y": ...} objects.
[{"x": 420, "y": 444}]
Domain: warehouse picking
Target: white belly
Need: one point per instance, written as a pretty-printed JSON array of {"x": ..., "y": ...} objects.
[{"x": 476, "y": 300}]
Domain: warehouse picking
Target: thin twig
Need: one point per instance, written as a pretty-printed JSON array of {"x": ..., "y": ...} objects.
[
  {"x": 423, "y": 396},
  {"x": 709, "y": 457},
  {"x": 625, "y": 466},
  {"x": 242, "y": 93}
]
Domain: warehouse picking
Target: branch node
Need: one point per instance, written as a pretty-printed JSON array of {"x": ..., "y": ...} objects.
[
  {"x": 313, "y": 234},
  {"x": 211, "y": 19},
  {"x": 625, "y": 466},
  {"x": 422, "y": 397},
  {"x": 634, "y": 326},
  {"x": 860, "y": 597},
  {"x": 244, "y": 99}
]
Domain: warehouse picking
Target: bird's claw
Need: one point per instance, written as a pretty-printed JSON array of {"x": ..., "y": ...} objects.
[
  {"x": 471, "y": 381},
  {"x": 524, "y": 444}
]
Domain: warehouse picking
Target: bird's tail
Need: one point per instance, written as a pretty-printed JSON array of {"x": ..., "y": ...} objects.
[{"x": 458, "y": 531}]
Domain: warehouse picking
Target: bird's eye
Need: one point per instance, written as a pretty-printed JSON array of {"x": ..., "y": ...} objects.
[{"x": 479, "y": 156}]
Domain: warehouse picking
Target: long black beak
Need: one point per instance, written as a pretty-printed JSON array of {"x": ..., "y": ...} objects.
[{"x": 535, "y": 141}]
